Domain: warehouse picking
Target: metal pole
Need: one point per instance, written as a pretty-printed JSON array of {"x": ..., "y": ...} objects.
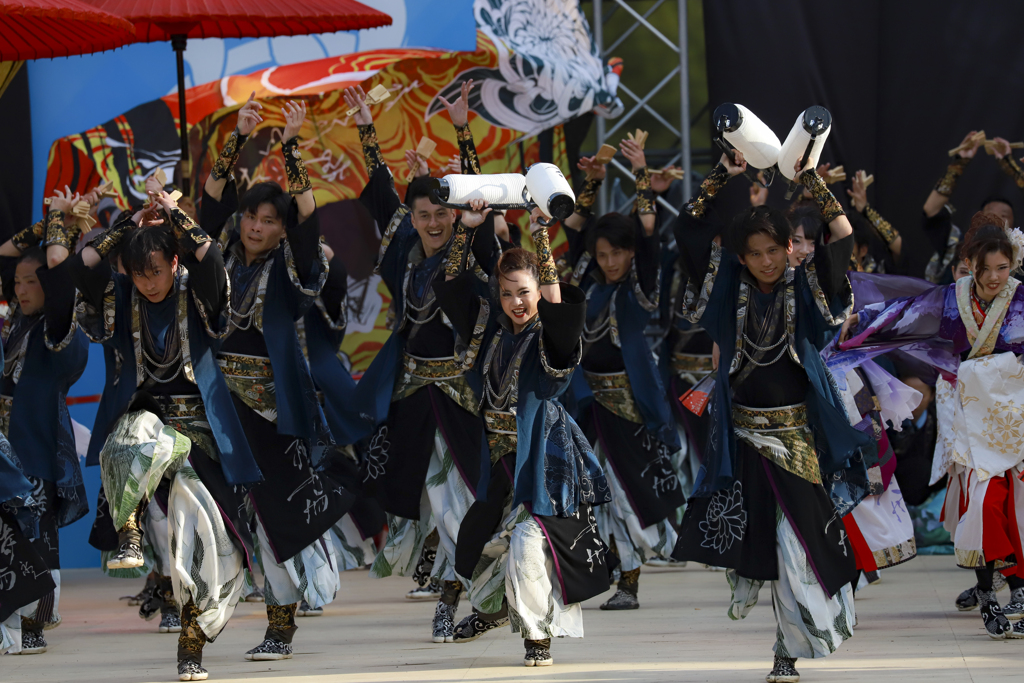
[
  {"x": 598, "y": 30},
  {"x": 684, "y": 100},
  {"x": 178, "y": 43}
]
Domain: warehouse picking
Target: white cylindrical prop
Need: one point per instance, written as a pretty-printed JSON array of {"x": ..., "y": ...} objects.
[
  {"x": 550, "y": 191},
  {"x": 499, "y": 188},
  {"x": 759, "y": 145},
  {"x": 814, "y": 120}
]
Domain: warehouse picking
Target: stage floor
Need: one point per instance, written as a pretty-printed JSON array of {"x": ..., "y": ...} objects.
[{"x": 909, "y": 630}]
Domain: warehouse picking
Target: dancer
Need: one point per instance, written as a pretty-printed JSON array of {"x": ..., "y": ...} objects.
[
  {"x": 277, "y": 269},
  {"x": 981, "y": 443},
  {"x": 44, "y": 354},
  {"x": 169, "y": 430},
  {"x": 19, "y": 515},
  {"x": 622, "y": 405},
  {"x": 424, "y": 455},
  {"x": 542, "y": 477},
  {"x": 759, "y": 507}
]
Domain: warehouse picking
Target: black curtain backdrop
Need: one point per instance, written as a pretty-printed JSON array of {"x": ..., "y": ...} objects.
[
  {"x": 905, "y": 81},
  {"x": 16, "y": 172}
]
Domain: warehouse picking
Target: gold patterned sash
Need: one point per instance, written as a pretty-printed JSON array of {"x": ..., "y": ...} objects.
[
  {"x": 186, "y": 414},
  {"x": 251, "y": 378},
  {"x": 445, "y": 373},
  {"x": 781, "y": 435},
  {"x": 501, "y": 431},
  {"x": 6, "y": 403},
  {"x": 612, "y": 391},
  {"x": 694, "y": 364}
]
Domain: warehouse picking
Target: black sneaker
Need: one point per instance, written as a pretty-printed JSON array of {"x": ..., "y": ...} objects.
[
  {"x": 269, "y": 650},
  {"x": 444, "y": 623},
  {"x": 170, "y": 622},
  {"x": 129, "y": 556},
  {"x": 472, "y": 627},
  {"x": 784, "y": 671},
  {"x": 538, "y": 653},
  {"x": 1014, "y": 609},
  {"x": 305, "y": 610},
  {"x": 621, "y": 600},
  {"x": 32, "y": 643},
  {"x": 967, "y": 600},
  {"x": 431, "y": 591},
  {"x": 1017, "y": 631},
  {"x": 996, "y": 625},
  {"x": 191, "y": 670}
]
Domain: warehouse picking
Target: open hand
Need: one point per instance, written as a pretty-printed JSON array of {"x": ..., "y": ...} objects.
[
  {"x": 634, "y": 152},
  {"x": 594, "y": 169},
  {"x": 459, "y": 109},
  {"x": 858, "y": 193},
  {"x": 417, "y": 164},
  {"x": 294, "y": 116},
  {"x": 64, "y": 201},
  {"x": 356, "y": 98},
  {"x": 249, "y": 116}
]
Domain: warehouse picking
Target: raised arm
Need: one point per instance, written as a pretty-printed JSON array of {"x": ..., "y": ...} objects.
[
  {"x": 584, "y": 208},
  {"x": 459, "y": 113},
  {"x": 695, "y": 231},
  {"x": 939, "y": 197},
  {"x": 248, "y": 118},
  {"x": 1004, "y": 157},
  {"x": 859, "y": 197},
  {"x": 298, "y": 180},
  {"x": 644, "y": 205},
  {"x": 831, "y": 210},
  {"x": 379, "y": 196}
]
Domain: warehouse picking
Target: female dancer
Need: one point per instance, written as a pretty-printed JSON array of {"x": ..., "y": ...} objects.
[
  {"x": 536, "y": 565},
  {"x": 978, "y": 320},
  {"x": 44, "y": 354}
]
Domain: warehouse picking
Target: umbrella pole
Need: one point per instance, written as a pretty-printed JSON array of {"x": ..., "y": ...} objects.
[{"x": 178, "y": 42}]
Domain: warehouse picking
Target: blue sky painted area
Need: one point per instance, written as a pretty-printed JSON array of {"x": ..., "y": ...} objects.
[{"x": 72, "y": 94}]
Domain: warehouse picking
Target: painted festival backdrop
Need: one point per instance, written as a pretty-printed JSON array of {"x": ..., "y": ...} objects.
[{"x": 533, "y": 62}]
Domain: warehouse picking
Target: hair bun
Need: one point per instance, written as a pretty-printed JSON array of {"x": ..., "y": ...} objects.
[{"x": 981, "y": 219}]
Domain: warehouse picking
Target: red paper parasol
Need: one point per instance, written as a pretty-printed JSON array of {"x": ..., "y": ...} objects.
[
  {"x": 44, "y": 29},
  {"x": 179, "y": 20}
]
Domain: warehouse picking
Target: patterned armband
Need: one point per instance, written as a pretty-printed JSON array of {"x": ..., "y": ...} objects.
[
  {"x": 30, "y": 236},
  {"x": 713, "y": 182},
  {"x": 885, "y": 230},
  {"x": 371, "y": 148},
  {"x": 947, "y": 183},
  {"x": 1012, "y": 168},
  {"x": 644, "y": 193},
  {"x": 188, "y": 233},
  {"x": 542, "y": 242},
  {"x": 56, "y": 233},
  {"x": 109, "y": 238},
  {"x": 298, "y": 179},
  {"x": 467, "y": 151},
  {"x": 587, "y": 196},
  {"x": 228, "y": 156},
  {"x": 458, "y": 249},
  {"x": 830, "y": 208}
]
